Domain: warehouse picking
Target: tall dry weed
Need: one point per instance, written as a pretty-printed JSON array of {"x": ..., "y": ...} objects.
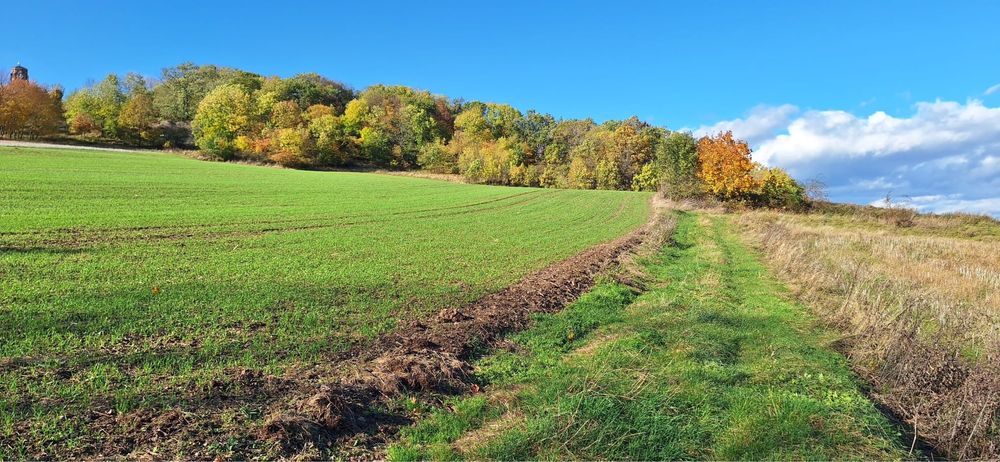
[{"x": 921, "y": 314}]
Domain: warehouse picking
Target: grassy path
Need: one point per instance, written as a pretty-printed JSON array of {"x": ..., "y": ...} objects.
[{"x": 712, "y": 362}]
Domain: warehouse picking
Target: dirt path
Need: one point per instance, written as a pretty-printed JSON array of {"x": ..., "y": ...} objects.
[{"x": 39, "y": 144}]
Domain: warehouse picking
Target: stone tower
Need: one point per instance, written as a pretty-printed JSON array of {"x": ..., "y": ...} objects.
[{"x": 19, "y": 72}]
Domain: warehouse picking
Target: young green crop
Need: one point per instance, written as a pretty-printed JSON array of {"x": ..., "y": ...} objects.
[{"x": 125, "y": 277}]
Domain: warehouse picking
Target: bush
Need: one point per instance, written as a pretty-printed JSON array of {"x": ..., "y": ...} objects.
[
  {"x": 436, "y": 157},
  {"x": 292, "y": 147},
  {"x": 648, "y": 179},
  {"x": 775, "y": 189}
]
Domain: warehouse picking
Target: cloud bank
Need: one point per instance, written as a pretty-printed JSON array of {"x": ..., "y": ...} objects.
[
  {"x": 945, "y": 157},
  {"x": 761, "y": 123}
]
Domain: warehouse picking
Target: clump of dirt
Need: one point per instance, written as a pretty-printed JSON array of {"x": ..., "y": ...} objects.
[
  {"x": 330, "y": 409},
  {"x": 316, "y": 418},
  {"x": 293, "y": 432},
  {"x": 420, "y": 370},
  {"x": 452, "y": 315},
  {"x": 167, "y": 423}
]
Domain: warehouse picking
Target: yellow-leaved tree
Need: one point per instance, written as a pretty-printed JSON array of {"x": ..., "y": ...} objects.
[{"x": 725, "y": 167}]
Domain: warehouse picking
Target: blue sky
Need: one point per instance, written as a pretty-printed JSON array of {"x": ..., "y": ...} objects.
[{"x": 764, "y": 68}]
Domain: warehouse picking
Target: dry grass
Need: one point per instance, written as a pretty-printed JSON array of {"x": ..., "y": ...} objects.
[
  {"x": 919, "y": 302},
  {"x": 452, "y": 177}
]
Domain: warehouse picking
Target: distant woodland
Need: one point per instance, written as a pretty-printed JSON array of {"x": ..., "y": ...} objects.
[{"x": 309, "y": 121}]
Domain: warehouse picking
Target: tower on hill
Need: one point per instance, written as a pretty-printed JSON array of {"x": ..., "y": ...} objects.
[{"x": 19, "y": 72}]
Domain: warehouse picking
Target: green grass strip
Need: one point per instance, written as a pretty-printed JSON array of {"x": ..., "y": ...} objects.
[{"x": 714, "y": 362}]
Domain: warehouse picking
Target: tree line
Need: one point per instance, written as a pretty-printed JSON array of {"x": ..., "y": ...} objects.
[{"x": 309, "y": 121}]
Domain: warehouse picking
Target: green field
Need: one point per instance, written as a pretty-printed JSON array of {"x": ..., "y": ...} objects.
[{"x": 124, "y": 276}]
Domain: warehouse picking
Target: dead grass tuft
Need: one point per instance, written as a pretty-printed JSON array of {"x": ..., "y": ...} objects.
[{"x": 423, "y": 370}]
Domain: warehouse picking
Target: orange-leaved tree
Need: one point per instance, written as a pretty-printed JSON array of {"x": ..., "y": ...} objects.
[{"x": 725, "y": 166}]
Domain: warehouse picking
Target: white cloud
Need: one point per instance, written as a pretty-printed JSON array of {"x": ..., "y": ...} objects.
[
  {"x": 880, "y": 183},
  {"x": 945, "y": 148},
  {"x": 946, "y": 204},
  {"x": 941, "y": 127},
  {"x": 992, "y": 90},
  {"x": 761, "y": 122}
]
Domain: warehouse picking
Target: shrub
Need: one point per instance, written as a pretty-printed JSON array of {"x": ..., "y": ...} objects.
[
  {"x": 436, "y": 157},
  {"x": 776, "y": 189},
  {"x": 292, "y": 147},
  {"x": 648, "y": 179}
]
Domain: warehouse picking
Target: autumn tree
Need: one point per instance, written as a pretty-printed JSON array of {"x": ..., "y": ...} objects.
[
  {"x": 137, "y": 118},
  {"x": 27, "y": 110},
  {"x": 97, "y": 107},
  {"x": 438, "y": 158},
  {"x": 592, "y": 162},
  {"x": 489, "y": 161},
  {"x": 776, "y": 189},
  {"x": 677, "y": 159},
  {"x": 182, "y": 88},
  {"x": 490, "y": 131},
  {"x": 565, "y": 136},
  {"x": 331, "y": 140},
  {"x": 489, "y": 121},
  {"x": 648, "y": 178},
  {"x": 284, "y": 114},
  {"x": 635, "y": 143},
  {"x": 225, "y": 114},
  {"x": 725, "y": 167},
  {"x": 534, "y": 131},
  {"x": 392, "y": 123},
  {"x": 292, "y": 147},
  {"x": 307, "y": 90}
]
